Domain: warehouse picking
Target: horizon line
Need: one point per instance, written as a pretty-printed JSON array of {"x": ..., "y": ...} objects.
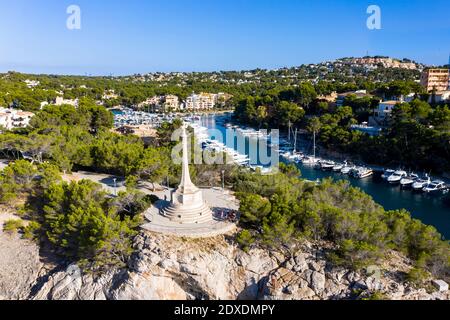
[{"x": 112, "y": 75}]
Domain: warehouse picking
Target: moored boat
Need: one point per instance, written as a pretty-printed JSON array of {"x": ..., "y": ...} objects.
[
  {"x": 339, "y": 167},
  {"x": 327, "y": 165},
  {"x": 347, "y": 169},
  {"x": 361, "y": 172},
  {"x": 419, "y": 184},
  {"x": 408, "y": 181},
  {"x": 435, "y": 187},
  {"x": 387, "y": 173},
  {"x": 309, "y": 160},
  {"x": 397, "y": 176}
]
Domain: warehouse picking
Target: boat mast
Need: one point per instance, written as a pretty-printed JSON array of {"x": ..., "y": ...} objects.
[
  {"x": 295, "y": 142},
  {"x": 314, "y": 148},
  {"x": 289, "y": 131}
]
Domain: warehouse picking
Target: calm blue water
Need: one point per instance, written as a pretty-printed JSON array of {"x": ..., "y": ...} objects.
[{"x": 429, "y": 209}]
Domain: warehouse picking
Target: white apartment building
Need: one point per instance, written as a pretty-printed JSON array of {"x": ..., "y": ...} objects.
[
  {"x": 60, "y": 101},
  {"x": 202, "y": 101},
  {"x": 153, "y": 101},
  {"x": 171, "y": 102},
  {"x": 109, "y": 94},
  {"x": 384, "y": 110},
  {"x": 205, "y": 101},
  {"x": 13, "y": 118},
  {"x": 31, "y": 83}
]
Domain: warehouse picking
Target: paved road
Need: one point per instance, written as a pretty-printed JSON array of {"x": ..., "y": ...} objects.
[{"x": 108, "y": 183}]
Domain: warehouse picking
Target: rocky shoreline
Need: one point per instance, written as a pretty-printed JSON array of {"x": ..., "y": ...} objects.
[{"x": 165, "y": 267}]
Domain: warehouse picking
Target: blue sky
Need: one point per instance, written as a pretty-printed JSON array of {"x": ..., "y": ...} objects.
[{"x": 137, "y": 36}]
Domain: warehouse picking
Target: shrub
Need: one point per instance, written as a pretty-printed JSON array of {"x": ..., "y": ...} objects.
[
  {"x": 12, "y": 226},
  {"x": 417, "y": 276},
  {"x": 245, "y": 239},
  {"x": 377, "y": 295},
  {"x": 31, "y": 230}
]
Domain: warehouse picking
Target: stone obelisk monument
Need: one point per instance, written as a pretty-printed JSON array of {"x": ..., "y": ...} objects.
[{"x": 187, "y": 204}]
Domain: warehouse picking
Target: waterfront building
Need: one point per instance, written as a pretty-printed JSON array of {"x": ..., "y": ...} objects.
[
  {"x": 164, "y": 103},
  {"x": 171, "y": 102},
  {"x": 13, "y": 118},
  {"x": 155, "y": 101},
  {"x": 202, "y": 101},
  {"x": 206, "y": 101},
  {"x": 383, "y": 113},
  {"x": 435, "y": 79}
]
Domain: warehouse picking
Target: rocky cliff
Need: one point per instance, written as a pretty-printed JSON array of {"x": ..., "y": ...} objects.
[{"x": 175, "y": 268}]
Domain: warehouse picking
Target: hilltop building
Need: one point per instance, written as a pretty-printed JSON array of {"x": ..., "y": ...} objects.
[
  {"x": 31, "y": 83},
  {"x": 110, "y": 94},
  {"x": 435, "y": 79},
  {"x": 385, "y": 62},
  {"x": 61, "y": 101},
  {"x": 359, "y": 94}
]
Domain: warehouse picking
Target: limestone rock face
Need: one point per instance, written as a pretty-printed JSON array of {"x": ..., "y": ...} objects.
[
  {"x": 165, "y": 267},
  {"x": 20, "y": 266}
]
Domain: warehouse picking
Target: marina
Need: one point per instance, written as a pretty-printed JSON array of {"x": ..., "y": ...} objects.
[
  {"x": 429, "y": 207},
  {"x": 394, "y": 189}
]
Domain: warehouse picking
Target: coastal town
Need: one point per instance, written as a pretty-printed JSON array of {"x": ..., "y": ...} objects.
[{"x": 244, "y": 156}]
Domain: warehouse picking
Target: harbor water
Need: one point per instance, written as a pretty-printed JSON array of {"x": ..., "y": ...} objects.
[{"x": 430, "y": 209}]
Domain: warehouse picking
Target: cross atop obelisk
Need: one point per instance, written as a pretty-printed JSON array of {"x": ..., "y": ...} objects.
[
  {"x": 187, "y": 205},
  {"x": 186, "y": 185}
]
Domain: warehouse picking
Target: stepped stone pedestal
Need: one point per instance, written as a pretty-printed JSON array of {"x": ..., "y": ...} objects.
[
  {"x": 188, "y": 213},
  {"x": 188, "y": 208}
]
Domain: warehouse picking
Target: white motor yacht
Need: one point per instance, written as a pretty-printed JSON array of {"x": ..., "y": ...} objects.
[
  {"x": 408, "y": 181},
  {"x": 387, "y": 173},
  {"x": 419, "y": 184},
  {"x": 339, "y": 167},
  {"x": 397, "y": 176},
  {"x": 327, "y": 165},
  {"x": 435, "y": 186},
  {"x": 346, "y": 170},
  {"x": 361, "y": 172},
  {"x": 295, "y": 156},
  {"x": 309, "y": 160}
]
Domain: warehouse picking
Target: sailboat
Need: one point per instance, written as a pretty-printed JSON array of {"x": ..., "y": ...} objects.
[
  {"x": 295, "y": 156},
  {"x": 311, "y": 160}
]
